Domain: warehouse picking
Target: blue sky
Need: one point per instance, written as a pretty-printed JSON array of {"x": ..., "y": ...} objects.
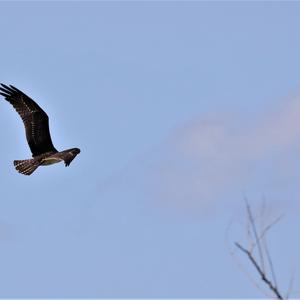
[{"x": 180, "y": 109}]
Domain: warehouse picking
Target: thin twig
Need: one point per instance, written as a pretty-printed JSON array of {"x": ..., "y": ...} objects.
[
  {"x": 252, "y": 222},
  {"x": 267, "y": 228},
  {"x": 290, "y": 289},
  {"x": 263, "y": 276},
  {"x": 270, "y": 262},
  {"x": 239, "y": 264}
]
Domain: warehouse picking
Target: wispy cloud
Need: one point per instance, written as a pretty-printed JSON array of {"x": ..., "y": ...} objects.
[{"x": 220, "y": 157}]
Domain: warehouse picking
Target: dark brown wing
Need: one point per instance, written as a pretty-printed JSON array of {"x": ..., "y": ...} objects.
[{"x": 35, "y": 120}]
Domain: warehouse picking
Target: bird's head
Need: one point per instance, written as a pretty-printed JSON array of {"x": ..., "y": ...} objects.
[
  {"x": 75, "y": 151},
  {"x": 71, "y": 154}
]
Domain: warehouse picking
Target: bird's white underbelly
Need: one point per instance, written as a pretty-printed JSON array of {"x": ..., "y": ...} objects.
[{"x": 50, "y": 161}]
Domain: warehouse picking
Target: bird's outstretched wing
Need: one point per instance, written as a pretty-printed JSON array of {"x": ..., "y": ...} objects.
[{"x": 35, "y": 120}]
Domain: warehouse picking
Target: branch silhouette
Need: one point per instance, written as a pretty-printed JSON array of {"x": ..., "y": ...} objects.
[
  {"x": 264, "y": 278},
  {"x": 257, "y": 239}
]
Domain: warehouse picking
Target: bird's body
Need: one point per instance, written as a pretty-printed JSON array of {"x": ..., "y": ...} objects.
[
  {"x": 38, "y": 136},
  {"x": 49, "y": 159}
]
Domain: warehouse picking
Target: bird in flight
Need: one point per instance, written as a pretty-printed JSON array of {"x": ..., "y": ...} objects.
[{"x": 36, "y": 124}]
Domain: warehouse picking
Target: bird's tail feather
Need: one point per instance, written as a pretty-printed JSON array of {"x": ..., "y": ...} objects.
[{"x": 26, "y": 166}]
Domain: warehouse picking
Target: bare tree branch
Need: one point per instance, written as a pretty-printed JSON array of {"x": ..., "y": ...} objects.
[
  {"x": 240, "y": 265},
  {"x": 291, "y": 283},
  {"x": 270, "y": 262},
  {"x": 272, "y": 287},
  {"x": 254, "y": 230},
  {"x": 257, "y": 250},
  {"x": 268, "y": 227}
]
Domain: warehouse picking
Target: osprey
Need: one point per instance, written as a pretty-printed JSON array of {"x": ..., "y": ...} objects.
[{"x": 36, "y": 124}]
